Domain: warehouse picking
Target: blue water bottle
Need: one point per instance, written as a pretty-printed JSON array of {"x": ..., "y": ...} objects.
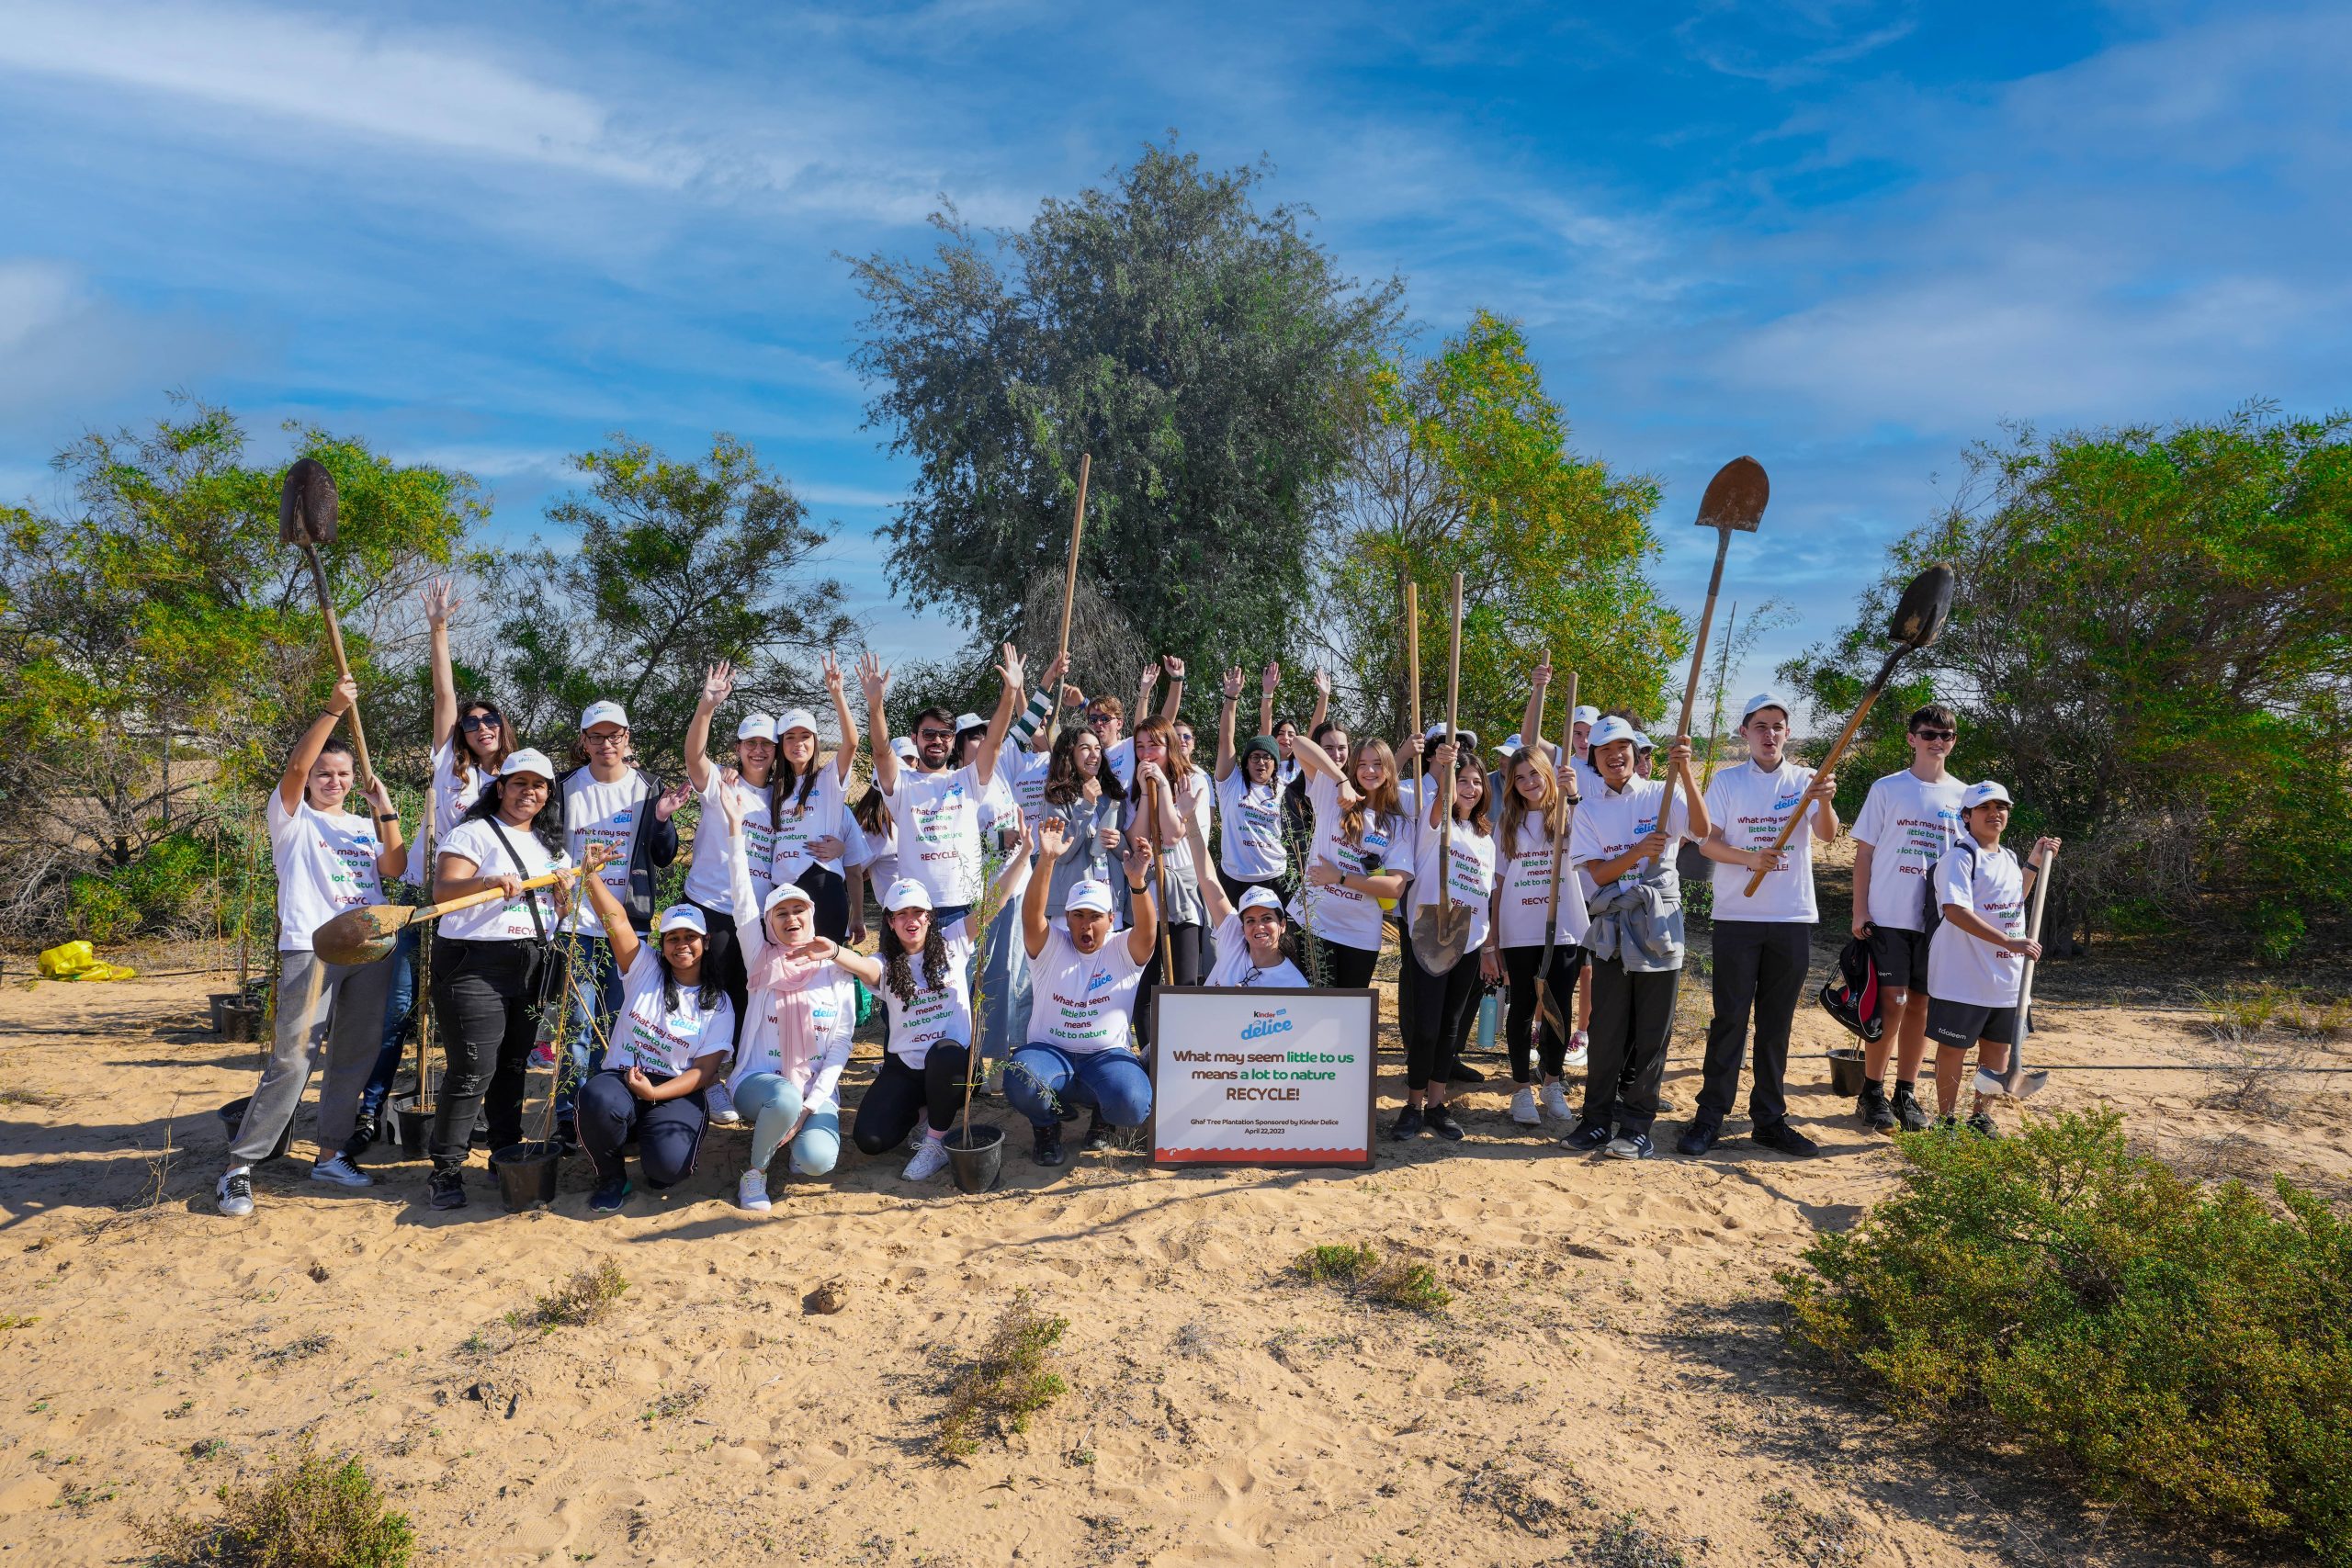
[{"x": 1489, "y": 1013}]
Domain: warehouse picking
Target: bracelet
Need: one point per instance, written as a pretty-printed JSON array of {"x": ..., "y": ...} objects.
[{"x": 388, "y": 817}]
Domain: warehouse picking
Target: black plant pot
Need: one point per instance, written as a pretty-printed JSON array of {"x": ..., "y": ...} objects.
[
  {"x": 412, "y": 1128},
  {"x": 526, "y": 1175},
  {"x": 233, "y": 1116},
  {"x": 975, "y": 1164},
  {"x": 1846, "y": 1069}
]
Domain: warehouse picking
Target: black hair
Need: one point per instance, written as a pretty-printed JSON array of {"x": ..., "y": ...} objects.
[
  {"x": 942, "y": 715},
  {"x": 873, "y": 814},
  {"x": 898, "y": 976},
  {"x": 708, "y": 990},
  {"x": 461, "y": 756},
  {"x": 1062, "y": 781},
  {"x": 1935, "y": 714},
  {"x": 1323, "y": 728},
  {"x": 548, "y": 826},
  {"x": 785, "y": 780},
  {"x": 336, "y": 743}
]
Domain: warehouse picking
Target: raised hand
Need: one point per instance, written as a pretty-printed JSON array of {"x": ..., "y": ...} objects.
[
  {"x": 379, "y": 796},
  {"x": 734, "y": 804},
  {"x": 1322, "y": 681},
  {"x": 832, "y": 677},
  {"x": 1056, "y": 670},
  {"x": 672, "y": 799},
  {"x": 598, "y": 857},
  {"x": 1270, "y": 679},
  {"x": 1009, "y": 667},
  {"x": 1173, "y": 665},
  {"x": 872, "y": 677},
  {"x": 1072, "y": 697},
  {"x": 1053, "y": 838},
  {"x": 1233, "y": 684},
  {"x": 344, "y": 697},
  {"x": 441, "y": 602},
  {"x": 1442, "y": 760},
  {"x": 2043, "y": 848},
  {"x": 717, "y": 681},
  {"x": 1542, "y": 677},
  {"x": 1139, "y": 860}
]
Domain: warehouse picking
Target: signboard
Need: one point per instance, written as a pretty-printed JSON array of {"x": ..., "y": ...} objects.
[{"x": 1258, "y": 1075}]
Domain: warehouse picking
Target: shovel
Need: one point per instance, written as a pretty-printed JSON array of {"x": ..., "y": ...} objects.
[
  {"x": 306, "y": 507},
  {"x": 1733, "y": 503},
  {"x": 1545, "y": 1007},
  {"x": 1918, "y": 621},
  {"x": 2018, "y": 1084},
  {"x": 1442, "y": 930},
  {"x": 365, "y": 935}
]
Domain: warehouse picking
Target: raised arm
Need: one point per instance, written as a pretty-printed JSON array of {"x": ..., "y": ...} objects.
[
  {"x": 750, "y": 921},
  {"x": 1224, "y": 720},
  {"x": 1008, "y": 699},
  {"x": 1144, "y": 935},
  {"x": 1053, "y": 839},
  {"x": 874, "y": 679},
  {"x": 845, "y": 758},
  {"x": 1269, "y": 680},
  {"x": 1213, "y": 896},
  {"x": 1173, "y": 704},
  {"x": 1322, "y": 701},
  {"x": 297, "y": 776},
  {"x": 393, "y": 860},
  {"x": 1532, "y": 718},
  {"x": 717, "y": 681},
  {"x": 1030, "y": 722},
  {"x": 1312, "y": 759},
  {"x": 614, "y": 918},
  {"x": 440, "y": 603}
]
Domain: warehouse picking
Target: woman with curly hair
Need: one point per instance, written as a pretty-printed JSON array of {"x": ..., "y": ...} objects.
[{"x": 1361, "y": 853}]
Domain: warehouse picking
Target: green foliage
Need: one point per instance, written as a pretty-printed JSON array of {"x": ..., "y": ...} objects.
[
  {"x": 2150, "y": 648},
  {"x": 587, "y": 1297},
  {"x": 2187, "y": 1351},
  {"x": 1366, "y": 1276},
  {"x": 316, "y": 1513},
  {"x": 164, "y": 888},
  {"x": 1006, "y": 1383},
  {"x": 1204, "y": 351},
  {"x": 678, "y": 565},
  {"x": 1462, "y": 463}
]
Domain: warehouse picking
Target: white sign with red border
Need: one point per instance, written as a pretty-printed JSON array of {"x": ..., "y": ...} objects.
[{"x": 1255, "y": 1076}]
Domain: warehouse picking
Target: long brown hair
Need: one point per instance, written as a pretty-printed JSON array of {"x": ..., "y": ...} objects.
[
  {"x": 1553, "y": 809},
  {"x": 1481, "y": 818},
  {"x": 1064, "y": 783},
  {"x": 1381, "y": 802},
  {"x": 461, "y": 756},
  {"x": 873, "y": 814}
]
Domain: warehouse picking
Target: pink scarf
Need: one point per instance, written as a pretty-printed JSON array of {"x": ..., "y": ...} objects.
[{"x": 781, "y": 984}]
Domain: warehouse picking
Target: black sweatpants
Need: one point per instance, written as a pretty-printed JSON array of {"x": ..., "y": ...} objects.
[
  {"x": 828, "y": 890},
  {"x": 1344, "y": 968},
  {"x": 485, "y": 994},
  {"x": 1432, "y": 1016},
  {"x": 1184, "y": 946},
  {"x": 900, "y": 1094},
  {"x": 724, "y": 954},
  {"x": 1633, "y": 1016},
  {"x": 1525, "y": 1031},
  {"x": 1760, "y": 968}
]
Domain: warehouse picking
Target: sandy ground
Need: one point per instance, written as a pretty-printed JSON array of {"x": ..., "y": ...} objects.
[{"x": 1610, "y": 1385}]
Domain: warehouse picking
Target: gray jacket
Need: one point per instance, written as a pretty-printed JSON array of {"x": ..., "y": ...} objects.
[{"x": 1638, "y": 923}]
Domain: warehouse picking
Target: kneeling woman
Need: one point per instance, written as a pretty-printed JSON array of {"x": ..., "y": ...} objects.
[
  {"x": 1082, "y": 980},
  {"x": 675, "y": 1025},
  {"x": 923, "y": 976},
  {"x": 795, "y": 1035}
]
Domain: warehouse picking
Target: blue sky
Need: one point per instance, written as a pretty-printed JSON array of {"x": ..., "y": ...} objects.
[{"x": 1847, "y": 238}]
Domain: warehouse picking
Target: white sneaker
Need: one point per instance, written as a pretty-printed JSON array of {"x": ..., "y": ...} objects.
[
  {"x": 1522, "y": 1107},
  {"x": 752, "y": 1190},
  {"x": 1580, "y": 1047},
  {"x": 341, "y": 1172},
  {"x": 1554, "y": 1100},
  {"x": 234, "y": 1193},
  {"x": 721, "y": 1105},
  {"x": 929, "y": 1161}
]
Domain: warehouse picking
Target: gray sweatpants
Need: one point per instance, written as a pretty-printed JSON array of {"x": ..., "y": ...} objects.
[{"x": 337, "y": 1008}]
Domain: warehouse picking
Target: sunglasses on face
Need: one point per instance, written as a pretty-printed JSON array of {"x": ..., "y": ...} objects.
[
  {"x": 474, "y": 723},
  {"x": 935, "y": 735},
  {"x": 1937, "y": 734},
  {"x": 1098, "y": 718}
]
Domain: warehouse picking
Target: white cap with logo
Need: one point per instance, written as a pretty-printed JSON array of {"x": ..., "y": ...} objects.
[
  {"x": 1611, "y": 729},
  {"x": 683, "y": 918},
  {"x": 1762, "y": 700},
  {"x": 605, "y": 712},
  {"x": 906, "y": 894},
  {"x": 796, "y": 718},
  {"x": 1088, "y": 894},
  {"x": 527, "y": 762},
  {"x": 756, "y": 727},
  {"x": 1979, "y": 794}
]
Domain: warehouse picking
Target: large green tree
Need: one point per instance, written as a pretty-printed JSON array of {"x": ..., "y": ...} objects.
[
  {"x": 2152, "y": 645},
  {"x": 1204, "y": 350},
  {"x": 673, "y": 565},
  {"x": 1460, "y": 462}
]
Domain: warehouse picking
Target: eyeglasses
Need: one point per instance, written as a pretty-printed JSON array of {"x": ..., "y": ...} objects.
[
  {"x": 616, "y": 737},
  {"x": 935, "y": 735},
  {"x": 474, "y": 723},
  {"x": 1937, "y": 734}
]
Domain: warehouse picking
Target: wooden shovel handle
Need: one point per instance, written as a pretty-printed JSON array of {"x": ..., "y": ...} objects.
[
  {"x": 1828, "y": 764},
  {"x": 342, "y": 665},
  {"x": 450, "y": 906}
]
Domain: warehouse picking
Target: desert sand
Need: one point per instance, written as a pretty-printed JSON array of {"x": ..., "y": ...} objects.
[{"x": 1610, "y": 1385}]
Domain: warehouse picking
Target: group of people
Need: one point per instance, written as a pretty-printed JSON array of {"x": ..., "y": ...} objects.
[{"x": 1035, "y": 882}]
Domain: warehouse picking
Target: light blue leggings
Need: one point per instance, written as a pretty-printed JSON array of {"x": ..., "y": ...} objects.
[{"x": 770, "y": 1103}]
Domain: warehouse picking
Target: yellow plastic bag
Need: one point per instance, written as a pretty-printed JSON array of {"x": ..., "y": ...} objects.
[{"x": 66, "y": 960}]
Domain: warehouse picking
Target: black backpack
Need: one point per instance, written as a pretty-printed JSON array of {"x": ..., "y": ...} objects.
[{"x": 1851, "y": 996}]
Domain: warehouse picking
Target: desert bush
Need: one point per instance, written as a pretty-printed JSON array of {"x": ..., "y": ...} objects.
[
  {"x": 1006, "y": 1383},
  {"x": 1366, "y": 1276},
  {"x": 315, "y": 1512},
  {"x": 2188, "y": 1352},
  {"x": 587, "y": 1296}
]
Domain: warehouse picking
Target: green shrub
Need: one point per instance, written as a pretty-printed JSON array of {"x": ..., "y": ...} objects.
[
  {"x": 1360, "y": 1270},
  {"x": 2190, "y": 1353},
  {"x": 168, "y": 886},
  {"x": 316, "y": 1513},
  {"x": 1006, "y": 1383}
]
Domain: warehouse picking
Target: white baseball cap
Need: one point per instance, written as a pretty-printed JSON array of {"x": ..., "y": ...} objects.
[
  {"x": 595, "y": 714},
  {"x": 682, "y": 918},
  {"x": 787, "y": 893},
  {"x": 1611, "y": 729},
  {"x": 1765, "y": 700},
  {"x": 796, "y": 718},
  {"x": 1259, "y": 899},
  {"x": 906, "y": 894},
  {"x": 1978, "y": 794},
  {"x": 527, "y": 762},
  {"x": 1642, "y": 742},
  {"x": 903, "y": 749},
  {"x": 965, "y": 721},
  {"x": 1511, "y": 743},
  {"x": 1088, "y": 894},
  {"x": 1588, "y": 714},
  {"x": 756, "y": 727}
]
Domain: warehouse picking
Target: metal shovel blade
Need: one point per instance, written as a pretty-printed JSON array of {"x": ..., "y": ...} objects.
[
  {"x": 1919, "y": 616},
  {"x": 306, "y": 505},
  {"x": 1736, "y": 496},
  {"x": 1440, "y": 936},
  {"x": 361, "y": 936}
]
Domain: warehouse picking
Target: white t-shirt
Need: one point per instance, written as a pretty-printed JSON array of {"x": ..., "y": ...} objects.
[
  {"x": 938, "y": 818},
  {"x": 1751, "y": 806},
  {"x": 824, "y": 815},
  {"x": 1469, "y": 874},
  {"x": 1023, "y": 776},
  {"x": 1121, "y": 759},
  {"x": 475, "y": 840},
  {"x": 832, "y": 1017},
  {"x": 663, "y": 1039},
  {"x": 1083, "y": 1002},
  {"x": 1252, "y": 827},
  {"x": 1340, "y": 914},
  {"x": 447, "y": 801},
  {"x": 325, "y": 864},
  {"x": 936, "y": 1012},
  {"x": 1526, "y": 903},
  {"x": 1234, "y": 966},
  {"x": 707, "y": 873},
  {"x": 606, "y": 814},
  {"x": 1964, "y": 968},
  {"x": 1909, "y": 825},
  {"x": 1610, "y": 823}
]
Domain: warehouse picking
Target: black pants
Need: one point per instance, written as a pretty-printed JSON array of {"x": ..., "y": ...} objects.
[
  {"x": 485, "y": 994},
  {"x": 1235, "y": 886},
  {"x": 1524, "y": 1029},
  {"x": 1184, "y": 946},
  {"x": 1633, "y": 1016},
  {"x": 668, "y": 1131},
  {"x": 1760, "y": 968},
  {"x": 724, "y": 954},
  {"x": 900, "y": 1094},
  {"x": 1344, "y": 968},
  {"x": 1432, "y": 1017},
  {"x": 830, "y": 891}
]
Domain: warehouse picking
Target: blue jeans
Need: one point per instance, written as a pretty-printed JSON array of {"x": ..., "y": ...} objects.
[
  {"x": 770, "y": 1103},
  {"x": 1113, "y": 1082},
  {"x": 596, "y": 1000},
  {"x": 399, "y": 1003}
]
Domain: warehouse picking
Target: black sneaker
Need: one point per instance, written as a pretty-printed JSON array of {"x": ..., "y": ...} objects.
[
  {"x": 1872, "y": 1108},
  {"x": 1463, "y": 1072},
  {"x": 1440, "y": 1122},
  {"x": 1981, "y": 1125},
  {"x": 1048, "y": 1149},
  {"x": 1098, "y": 1136},
  {"x": 364, "y": 1133},
  {"x": 1910, "y": 1113},
  {"x": 1587, "y": 1136},
  {"x": 1410, "y": 1124},
  {"x": 445, "y": 1187},
  {"x": 1787, "y": 1139},
  {"x": 1697, "y": 1139},
  {"x": 609, "y": 1196},
  {"x": 566, "y": 1135},
  {"x": 1947, "y": 1124}
]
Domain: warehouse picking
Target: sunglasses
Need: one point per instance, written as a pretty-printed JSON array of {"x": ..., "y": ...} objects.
[
  {"x": 1099, "y": 719},
  {"x": 1937, "y": 734},
  {"x": 475, "y": 723},
  {"x": 935, "y": 735}
]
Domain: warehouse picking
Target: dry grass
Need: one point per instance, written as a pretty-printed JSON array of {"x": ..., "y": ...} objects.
[
  {"x": 583, "y": 1299},
  {"x": 316, "y": 1513},
  {"x": 1366, "y": 1276}
]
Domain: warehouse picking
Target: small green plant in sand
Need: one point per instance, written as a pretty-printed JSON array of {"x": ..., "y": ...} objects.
[
  {"x": 314, "y": 1512},
  {"x": 583, "y": 1299},
  {"x": 1007, "y": 1383},
  {"x": 1366, "y": 1276}
]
